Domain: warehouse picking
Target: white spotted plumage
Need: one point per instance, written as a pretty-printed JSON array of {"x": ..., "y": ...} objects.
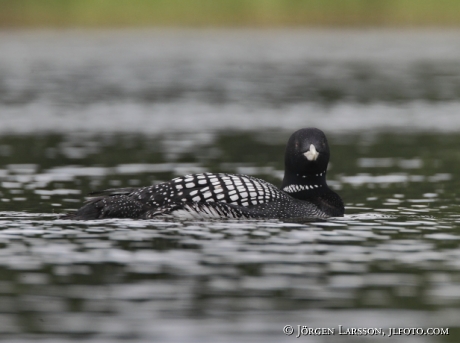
[{"x": 241, "y": 190}]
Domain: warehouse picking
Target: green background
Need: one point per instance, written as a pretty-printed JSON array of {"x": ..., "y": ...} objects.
[{"x": 246, "y": 13}]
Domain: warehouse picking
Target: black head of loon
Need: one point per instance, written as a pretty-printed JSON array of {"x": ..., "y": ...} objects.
[{"x": 305, "y": 162}]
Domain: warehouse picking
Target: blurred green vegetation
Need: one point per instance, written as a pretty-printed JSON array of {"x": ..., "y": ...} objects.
[{"x": 248, "y": 13}]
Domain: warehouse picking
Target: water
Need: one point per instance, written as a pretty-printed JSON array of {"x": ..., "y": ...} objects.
[{"x": 84, "y": 111}]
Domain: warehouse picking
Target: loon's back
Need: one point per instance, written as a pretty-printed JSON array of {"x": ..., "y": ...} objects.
[{"x": 204, "y": 195}]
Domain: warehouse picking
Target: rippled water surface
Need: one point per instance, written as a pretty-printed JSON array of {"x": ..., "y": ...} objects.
[{"x": 82, "y": 112}]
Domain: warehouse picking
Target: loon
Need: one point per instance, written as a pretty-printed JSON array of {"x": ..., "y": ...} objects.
[{"x": 304, "y": 193}]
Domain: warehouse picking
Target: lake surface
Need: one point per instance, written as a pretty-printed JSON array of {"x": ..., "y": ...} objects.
[{"x": 85, "y": 111}]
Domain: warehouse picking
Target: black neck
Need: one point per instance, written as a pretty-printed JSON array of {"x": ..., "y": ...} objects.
[{"x": 314, "y": 189}]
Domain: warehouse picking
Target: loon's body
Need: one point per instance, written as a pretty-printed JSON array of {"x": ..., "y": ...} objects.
[{"x": 304, "y": 193}]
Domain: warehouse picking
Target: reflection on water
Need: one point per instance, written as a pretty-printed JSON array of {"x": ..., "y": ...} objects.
[
  {"x": 157, "y": 81},
  {"x": 392, "y": 261},
  {"x": 279, "y": 67}
]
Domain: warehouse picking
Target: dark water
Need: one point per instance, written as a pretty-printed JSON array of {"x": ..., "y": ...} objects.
[
  {"x": 391, "y": 262},
  {"x": 82, "y": 112}
]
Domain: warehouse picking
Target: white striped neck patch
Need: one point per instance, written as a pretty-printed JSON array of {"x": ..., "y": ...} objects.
[{"x": 299, "y": 188}]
